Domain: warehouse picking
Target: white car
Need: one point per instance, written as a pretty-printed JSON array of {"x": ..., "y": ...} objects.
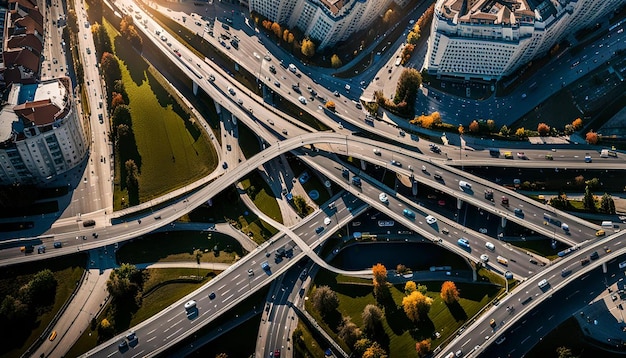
[
  {"x": 383, "y": 198},
  {"x": 482, "y": 230},
  {"x": 327, "y": 221},
  {"x": 431, "y": 220},
  {"x": 490, "y": 246},
  {"x": 484, "y": 258},
  {"x": 376, "y": 151},
  {"x": 302, "y": 100},
  {"x": 189, "y": 305}
]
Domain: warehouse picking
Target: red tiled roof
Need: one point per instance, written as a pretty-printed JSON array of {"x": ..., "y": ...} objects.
[
  {"x": 22, "y": 57},
  {"x": 27, "y": 40},
  {"x": 39, "y": 112}
]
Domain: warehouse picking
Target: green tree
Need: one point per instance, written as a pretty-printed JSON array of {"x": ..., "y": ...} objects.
[
  {"x": 132, "y": 175},
  {"x": 72, "y": 21},
  {"x": 335, "y": 61},
  {"x": 198, "y": 254},
  {"x": 110, "y": 68},
  {"x": 125, "y": 283},
  {"x": 505, "y": 131},
  {"x": 297, "y": 337},
  {"x": 300, "y": 205},
  {"x": 372, "y": 317},
  {"x": 588, "y": 201},
  {"x": 307, "y": 47},
  {"x": 607, "y": 205},
  {"x": 349, "y": 332},
  {"x": 408, "y": 85},
  {"x": 413, "y": 36},
  {"x": 13, "y": 310},
  {"x": 41, "y": 289},
  {"x": 325, "y": 300},
  {"x": 121, "y": 115},
  {"x": 593, "y": 183}
]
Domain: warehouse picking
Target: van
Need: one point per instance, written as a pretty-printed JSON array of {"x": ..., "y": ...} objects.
[
  {"x": 607, "y": 224},
  {"x": 292, "y": 68},
  {"x": 501, "y": 260},
  {"x": 543, "y": 283}
]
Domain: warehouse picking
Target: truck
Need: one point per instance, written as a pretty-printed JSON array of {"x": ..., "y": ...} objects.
[
  {"x": 27, "y": 249},
  {"x": 605, "y": 153}
]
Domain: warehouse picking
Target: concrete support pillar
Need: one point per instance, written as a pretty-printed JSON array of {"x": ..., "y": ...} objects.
[
  {"x": 459, "y": 203},
  {"x": 363, "y": 164},
  {"x": 503, "y": 224},
  {"x": 414, "y": 187},
  {"x": 195, "y": 88}
]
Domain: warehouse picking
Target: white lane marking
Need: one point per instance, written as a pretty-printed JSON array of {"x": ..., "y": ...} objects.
[
  {"x": 539, "y": 329},
  {"x": 150, "y": 339},
  {"x": 222, "y": 286},
  {"x": 152, "y": 331},
  {"x": 173, "y": 334},
  {"x": 525, "y": 339},
  {"x": 137, "y": 355},
  {"x": 463, "y": 345}
]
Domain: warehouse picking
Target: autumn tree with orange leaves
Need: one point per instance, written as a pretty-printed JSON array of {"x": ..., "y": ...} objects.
[
  {"x": 449, "y": 292},
  {"x": 380, "y": 280}
]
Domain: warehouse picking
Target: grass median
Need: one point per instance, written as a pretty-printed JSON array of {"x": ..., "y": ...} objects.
[{"x": 172, "y": 150}]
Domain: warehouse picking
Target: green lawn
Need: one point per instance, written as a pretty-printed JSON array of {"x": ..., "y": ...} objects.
[
  {"x": 227, "y": 206},
  {"x": 400, "y": 334},
  {"x": 151, "y": 304},
  {"x": 264, "y": 198},
  {"x": 179, "y": 246},
  {"x": 67, "y": 271},
  {"x": 311, "y": 347},
  {"x": 172, "y": 150}
]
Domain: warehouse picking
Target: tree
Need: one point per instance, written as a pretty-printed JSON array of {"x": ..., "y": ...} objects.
[
  {"x": 372, "y": 319},
  {"x": 388, "y": 16},
  {"x": 349, "y": 332},
  {"x": 375, "y": 351},
  {"x": 416, "y": 305},
  {"x": 290, "y": 38},
  {"x": 577, "y": 123},
  {"x": 491, "y": 125},
  {"x": 13, "y": 310},
  {"x": 300, "y": 205},
  {"x": 543, "y": 129},
  {"x": 569, "y": 129},
  {"x": 116, "y": 100},
  {"x": 449, "y": 292},
  {"x": 297, "y": 336},
  {"x": 408, "y": 84},
  {"x": 361, "y": 346},
  {"x": 564, "y": 352},
  {"x": 285, "y": 35},
  {"x": 42, "y": 287},
  {"x": 520, "y": 132},
  {"x": 409, "y": 287},
  {"x": 592, "y": 137},
  {"x": 588, "y": 200},
  {"x": 505, "y": 131},
  {"x": 335, "y": 61},
  {"x": 105, "y": 329},
  {"x": 72, "y": 21},
  {"x": 422, "y": 347},
  {"x": 461, "y": 129},
  {"x": 221, "y": 355},
  {"x": 325, "y": 300},
  {"x": 401, "y": 269},
  {"x": 413, "y": 35},
  {"x": 276, "y": 29},
  {"x": 474, "y": 127},
  {"x": 330, "y": 105},
  {"x": 307, "y": 47},
  {"x": 607, "y": 205},
  {"x": 579, "y": 180},
  {"x": 198, "y": 254},
  {"x": 110, "y": 68},
  {"x": 132, "y": 175},
  {"x": 125, "y": 282},
  {"x": 379, "y": 271},
  {"x": 593, "y": 183}
]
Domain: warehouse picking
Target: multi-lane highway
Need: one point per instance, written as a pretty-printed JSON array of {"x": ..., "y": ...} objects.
[{"x": 162, "y": 329}]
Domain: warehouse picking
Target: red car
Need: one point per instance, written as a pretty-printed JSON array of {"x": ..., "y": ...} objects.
[{"x": 277, "y": 353}]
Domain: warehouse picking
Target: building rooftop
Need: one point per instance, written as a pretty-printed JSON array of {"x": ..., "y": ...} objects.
[{"x": 489, "y": 11}]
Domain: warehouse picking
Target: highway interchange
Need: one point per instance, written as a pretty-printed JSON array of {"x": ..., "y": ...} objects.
[{"x": 172, "y": 324}]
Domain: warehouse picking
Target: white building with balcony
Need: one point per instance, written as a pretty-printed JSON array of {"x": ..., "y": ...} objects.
[
  {"x": 325, "y": 21},
  {"x": 41, "y": 135},
  {"x": 489, "y": 39}
]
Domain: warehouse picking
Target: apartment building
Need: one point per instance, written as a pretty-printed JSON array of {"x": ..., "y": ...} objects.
[
  {"x": 40, "y": 133},
  {"x": 325, "y": 21},
  {"x": 489, "y": 39}
]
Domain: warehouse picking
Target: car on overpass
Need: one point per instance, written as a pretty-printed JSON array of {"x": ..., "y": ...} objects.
[{"x": 383, "y": 198}]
